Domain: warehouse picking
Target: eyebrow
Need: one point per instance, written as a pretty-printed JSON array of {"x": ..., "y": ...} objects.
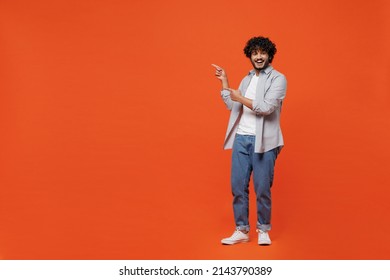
[{"x": 259, "y": 50}]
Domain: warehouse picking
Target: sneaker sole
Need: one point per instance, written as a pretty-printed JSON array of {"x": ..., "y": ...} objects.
[
  {"x": 234, "y": 242},
  {"x": 264, "y": 243}
]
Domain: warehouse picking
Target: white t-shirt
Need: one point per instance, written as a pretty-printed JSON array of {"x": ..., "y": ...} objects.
[{"x": 247, "y": 125}]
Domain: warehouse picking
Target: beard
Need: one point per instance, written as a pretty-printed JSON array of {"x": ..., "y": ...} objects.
[{"x": 260, "y": 66}]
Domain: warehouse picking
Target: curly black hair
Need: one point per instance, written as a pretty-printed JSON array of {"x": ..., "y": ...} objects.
[{"x": 260, "y": 43}]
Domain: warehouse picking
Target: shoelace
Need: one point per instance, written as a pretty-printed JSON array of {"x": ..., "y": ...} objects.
[{"x": 237, "y": 232}]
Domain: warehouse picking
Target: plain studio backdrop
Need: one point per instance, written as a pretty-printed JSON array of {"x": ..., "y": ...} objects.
[{"x": 112, "y": 128}]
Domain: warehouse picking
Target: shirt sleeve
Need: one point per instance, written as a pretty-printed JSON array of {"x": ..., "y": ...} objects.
[
  {"x": 273, "y": 97},
  {"x": 225, "y": 94}
]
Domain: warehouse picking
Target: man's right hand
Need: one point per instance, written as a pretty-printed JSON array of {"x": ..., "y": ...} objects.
[{"x": 221, "y": 75}]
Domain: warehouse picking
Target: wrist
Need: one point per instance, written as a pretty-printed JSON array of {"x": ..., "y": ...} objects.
[{"x": 225, "y": 83}]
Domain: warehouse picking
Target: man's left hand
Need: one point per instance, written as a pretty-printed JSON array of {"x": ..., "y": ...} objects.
[{"x": 235, "y": 94}]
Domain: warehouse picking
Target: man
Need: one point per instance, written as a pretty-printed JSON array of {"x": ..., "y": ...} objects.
[{"x": 255, "y": 136}]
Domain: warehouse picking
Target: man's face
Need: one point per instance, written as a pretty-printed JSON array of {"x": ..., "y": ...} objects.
[{"x": 260, "y": 60}]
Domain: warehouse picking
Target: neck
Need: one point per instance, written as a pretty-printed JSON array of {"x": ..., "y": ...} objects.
[{"x": 257, "y": 71}]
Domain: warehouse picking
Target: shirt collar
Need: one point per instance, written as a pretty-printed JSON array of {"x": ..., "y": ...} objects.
[{"x": 266, "y": 70}]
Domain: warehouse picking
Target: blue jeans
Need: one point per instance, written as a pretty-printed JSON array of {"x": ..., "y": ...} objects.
[{"x": 244, "y": 161}]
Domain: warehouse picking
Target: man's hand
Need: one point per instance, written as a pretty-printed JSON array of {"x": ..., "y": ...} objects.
[
  {"x": 219, "y": 72},
  {"x": 221, "y": 75},
  {"x": 235, "y": 94}
]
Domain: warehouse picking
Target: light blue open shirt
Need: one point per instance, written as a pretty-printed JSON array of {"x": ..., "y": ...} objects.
[{"x": 270, "y": 92}]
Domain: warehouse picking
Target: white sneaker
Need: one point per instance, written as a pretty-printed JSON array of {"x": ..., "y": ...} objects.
[
  {"x": 237, "y": 237},
  {"x": 263, "y": 238}
]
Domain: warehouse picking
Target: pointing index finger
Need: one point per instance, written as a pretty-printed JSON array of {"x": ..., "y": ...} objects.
[{"x": 216, "y": 66}]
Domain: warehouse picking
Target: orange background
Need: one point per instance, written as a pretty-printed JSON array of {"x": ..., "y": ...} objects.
[{"x": 112, "y": 128}]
